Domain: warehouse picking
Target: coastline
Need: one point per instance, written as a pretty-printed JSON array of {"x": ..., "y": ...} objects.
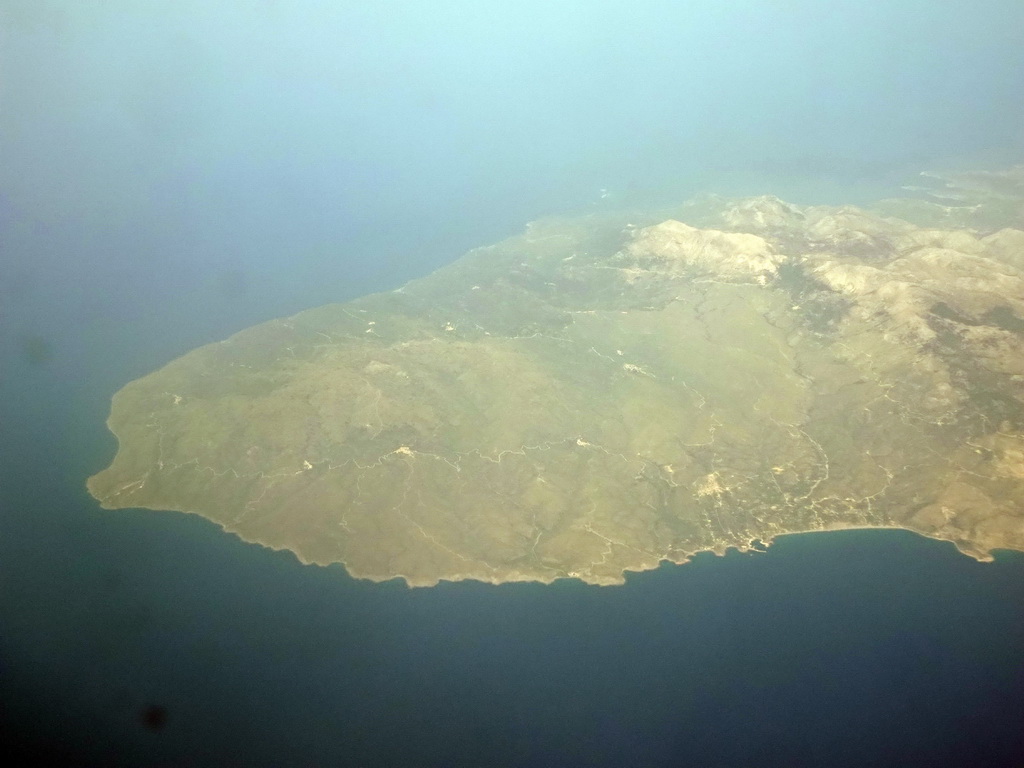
[{"x": 759, "y": 545}]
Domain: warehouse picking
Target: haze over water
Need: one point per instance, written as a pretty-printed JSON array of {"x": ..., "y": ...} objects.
[{"x": 171, "y": 173}]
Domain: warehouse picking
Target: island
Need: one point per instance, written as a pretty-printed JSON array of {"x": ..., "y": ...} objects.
[{"x": 609, "y": 391}]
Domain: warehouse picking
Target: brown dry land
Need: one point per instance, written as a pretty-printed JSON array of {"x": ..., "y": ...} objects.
[{"x": 604, "y": 393}]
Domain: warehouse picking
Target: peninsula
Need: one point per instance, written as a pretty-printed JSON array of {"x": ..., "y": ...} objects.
[{"x": 610, "y": 391}]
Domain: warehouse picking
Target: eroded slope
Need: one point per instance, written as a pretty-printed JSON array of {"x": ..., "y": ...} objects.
[{"x": 599, "y": 395}]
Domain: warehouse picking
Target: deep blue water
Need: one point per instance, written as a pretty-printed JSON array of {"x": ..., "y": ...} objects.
[
  {"x": 172, "y": 172},
  {"x": 854, "y": 648}
]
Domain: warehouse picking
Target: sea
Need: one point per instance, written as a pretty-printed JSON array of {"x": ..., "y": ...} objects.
[{"x": 171, "y": 173}]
